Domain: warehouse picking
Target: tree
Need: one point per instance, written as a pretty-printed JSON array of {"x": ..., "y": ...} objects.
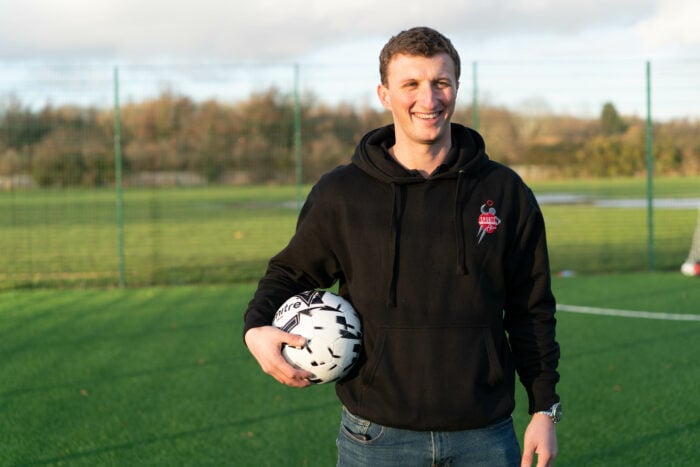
[{"x": 611, "y": 121}]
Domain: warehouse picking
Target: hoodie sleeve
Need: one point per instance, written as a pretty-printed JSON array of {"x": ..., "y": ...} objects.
[
  {"x": 307, "y": 262},
  {"x": 529, "y": 310}
]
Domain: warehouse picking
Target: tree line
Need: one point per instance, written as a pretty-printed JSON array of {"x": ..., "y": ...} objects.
[{"x": 253, "y": 141}]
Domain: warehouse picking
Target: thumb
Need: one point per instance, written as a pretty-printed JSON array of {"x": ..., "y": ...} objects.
[
  {"x": 528, "y": 457},
  {"x": 296, "y": 340}
]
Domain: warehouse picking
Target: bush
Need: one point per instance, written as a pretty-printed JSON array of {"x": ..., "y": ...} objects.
[{"x": 69, "y": 157}]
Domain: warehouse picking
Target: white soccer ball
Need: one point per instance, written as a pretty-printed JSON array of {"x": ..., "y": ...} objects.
[
  {"x": 332, "y": 329},
  {"x": 690, "y": 269}
]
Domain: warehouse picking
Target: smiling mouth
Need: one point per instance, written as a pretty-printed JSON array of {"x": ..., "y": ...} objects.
[{"x": 426, "y": 116}]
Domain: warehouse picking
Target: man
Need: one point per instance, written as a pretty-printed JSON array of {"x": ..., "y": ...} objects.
[{"x": 443, "y": 254}]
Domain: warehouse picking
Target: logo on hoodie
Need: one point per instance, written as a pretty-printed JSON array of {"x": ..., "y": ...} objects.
[{"x": 488, "y": 221}]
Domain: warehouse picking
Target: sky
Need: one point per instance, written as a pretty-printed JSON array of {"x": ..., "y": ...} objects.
[
  {"x": 325, "y": 33},
  {"x": 273, "y": 30}
]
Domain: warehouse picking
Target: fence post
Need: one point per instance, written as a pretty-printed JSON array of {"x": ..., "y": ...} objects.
[
  {"x": 650, "y": 172},
  {"x": 475, "y": 97},
  {"x": 297, "y": 134},
  {"x": 118, "y": 181}
]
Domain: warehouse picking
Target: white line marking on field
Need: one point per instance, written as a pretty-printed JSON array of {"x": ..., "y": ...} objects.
[{"x": 627, "y": 313}]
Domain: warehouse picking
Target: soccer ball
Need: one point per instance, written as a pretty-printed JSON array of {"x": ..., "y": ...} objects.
[
  {"x": 332, "y": 330},
  {"x": 690, "y": 269}
]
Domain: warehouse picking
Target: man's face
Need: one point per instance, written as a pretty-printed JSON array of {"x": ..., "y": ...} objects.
[{"x": 420, "y": 93}]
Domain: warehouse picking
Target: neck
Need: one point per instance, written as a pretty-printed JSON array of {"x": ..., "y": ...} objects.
[{"x": 422, "y": 158}]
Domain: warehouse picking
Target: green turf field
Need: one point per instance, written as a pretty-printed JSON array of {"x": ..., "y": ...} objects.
[{"x": 160, "y": 376}]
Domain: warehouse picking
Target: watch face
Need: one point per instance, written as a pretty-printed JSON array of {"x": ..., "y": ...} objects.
[{"x": 556, "y": 412}]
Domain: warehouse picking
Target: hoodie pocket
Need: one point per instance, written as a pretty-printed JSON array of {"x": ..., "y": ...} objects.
[{"x": 451, "y": 371}]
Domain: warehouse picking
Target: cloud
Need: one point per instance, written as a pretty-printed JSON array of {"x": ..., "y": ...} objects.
[
  {"x": 675, "y": 22},
  {"x": 286, "y": 29}
]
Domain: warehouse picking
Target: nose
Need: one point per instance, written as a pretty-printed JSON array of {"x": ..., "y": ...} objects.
[{"x": 427, "y": 96}]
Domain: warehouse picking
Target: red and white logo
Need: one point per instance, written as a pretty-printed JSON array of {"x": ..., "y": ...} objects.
[{"x": 488, "y": 221}]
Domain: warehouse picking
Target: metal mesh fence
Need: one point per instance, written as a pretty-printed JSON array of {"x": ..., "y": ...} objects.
[{"x": 217, "y": 158}]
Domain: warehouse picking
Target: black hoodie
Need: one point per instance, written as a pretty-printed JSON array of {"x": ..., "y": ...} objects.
[{"x": 449, "y": 273}]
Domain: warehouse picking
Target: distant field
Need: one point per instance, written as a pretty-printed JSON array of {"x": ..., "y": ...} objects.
[
  {"x": 160, "y": 376},
  {"x": 664, "y": 187},
  {"x": 172, "y": 236},
  {"x": 227, "y": 234}
]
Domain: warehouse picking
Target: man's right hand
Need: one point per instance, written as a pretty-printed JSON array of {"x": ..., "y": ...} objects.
[{"x": 265, "y": 343}]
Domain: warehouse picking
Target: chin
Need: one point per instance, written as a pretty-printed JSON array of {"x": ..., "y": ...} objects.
[{"x": 435, "y": 138}]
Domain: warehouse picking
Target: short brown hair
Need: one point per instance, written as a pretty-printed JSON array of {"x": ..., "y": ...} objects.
[{"x": 421, "y": 41}]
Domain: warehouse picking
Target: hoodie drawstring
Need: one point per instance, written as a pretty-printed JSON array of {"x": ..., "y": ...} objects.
[
  {"x": 459, "y": 226},
  {"x": 394, "y": 239},
  {"x": 394, "y": 236}
]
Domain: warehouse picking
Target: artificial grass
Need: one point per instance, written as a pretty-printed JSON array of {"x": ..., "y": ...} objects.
[{"x": 160, "y": 376}]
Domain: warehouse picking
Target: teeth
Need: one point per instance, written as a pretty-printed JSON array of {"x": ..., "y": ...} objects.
[{"x": 427, "y": 116}]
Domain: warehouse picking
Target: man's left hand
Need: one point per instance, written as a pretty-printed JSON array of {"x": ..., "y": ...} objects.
[{"x": 540, "y": 439}]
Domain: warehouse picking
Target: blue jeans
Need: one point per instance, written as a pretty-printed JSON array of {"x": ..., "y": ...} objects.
[{"x": 362, "y": 443}]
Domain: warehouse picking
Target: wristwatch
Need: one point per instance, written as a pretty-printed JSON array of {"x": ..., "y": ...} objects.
[{"x": 554, "y": 412}]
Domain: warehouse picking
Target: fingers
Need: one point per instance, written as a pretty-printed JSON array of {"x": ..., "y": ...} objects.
[
  {"x": 292, "y": 376},
  {"x": 543, "y": 459},
  {"x": 289, "y": 375},
  {"x": 265, "y": 343},
  {"x": 296, "y": 378}
]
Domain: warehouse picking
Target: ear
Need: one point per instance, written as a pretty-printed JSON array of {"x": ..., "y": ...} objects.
[{"x": 383, "y": 94}]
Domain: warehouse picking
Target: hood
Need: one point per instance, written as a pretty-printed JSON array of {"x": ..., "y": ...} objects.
[
  {"x": 467, "y": 156},
  {"x": 465, "y": 160}
]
